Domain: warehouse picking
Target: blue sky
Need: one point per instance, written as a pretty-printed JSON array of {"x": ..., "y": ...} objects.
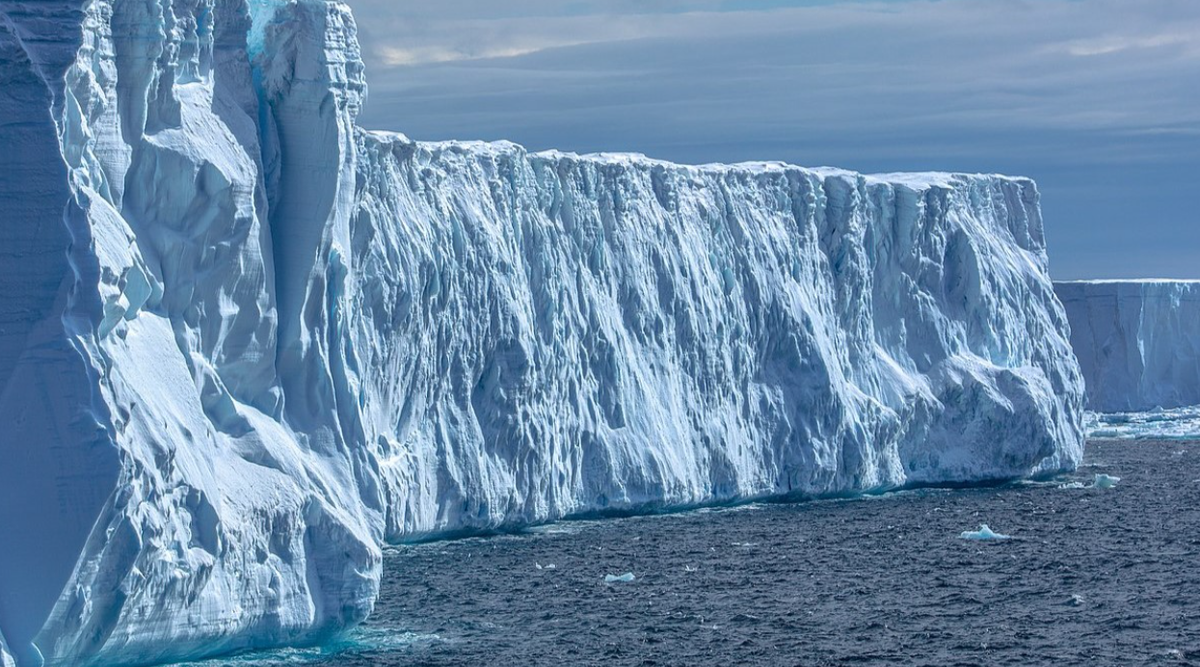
[{"x": 1099, "y": 100}]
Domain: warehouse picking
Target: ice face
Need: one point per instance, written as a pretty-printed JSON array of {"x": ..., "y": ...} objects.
[
  {"x": 245, "y": 343},
  {"x": 613, "y": 332},
  {"x": 1138, "y": 342}
]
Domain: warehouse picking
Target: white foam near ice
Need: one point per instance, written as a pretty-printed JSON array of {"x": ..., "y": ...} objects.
[{"x": 1174, "y": 424}]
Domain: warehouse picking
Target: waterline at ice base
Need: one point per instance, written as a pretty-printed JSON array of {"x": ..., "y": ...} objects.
[{"x": 246, "y": 343}]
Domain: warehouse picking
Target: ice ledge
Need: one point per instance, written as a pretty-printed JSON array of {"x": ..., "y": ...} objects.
[{"x": 917, "y": 181}]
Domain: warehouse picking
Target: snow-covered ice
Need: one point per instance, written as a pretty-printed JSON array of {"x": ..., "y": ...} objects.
[
  {"x": 984, "y": 534},
  {"x": 245, "y": 343},
  {"x": 1138, "y": 342}
]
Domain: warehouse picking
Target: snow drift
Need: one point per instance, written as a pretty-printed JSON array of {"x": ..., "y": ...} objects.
[
  {"x": 245, "y": 343},
  {"x": 1138, "y": 342}
]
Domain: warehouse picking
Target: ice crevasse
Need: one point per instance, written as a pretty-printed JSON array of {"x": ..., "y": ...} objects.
[
  {"x": 1138, "y": 342},
  {"x": 244, "y": 343}
]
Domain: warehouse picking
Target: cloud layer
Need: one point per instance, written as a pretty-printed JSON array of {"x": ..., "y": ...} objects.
[{"x": 1098, "y": 100}]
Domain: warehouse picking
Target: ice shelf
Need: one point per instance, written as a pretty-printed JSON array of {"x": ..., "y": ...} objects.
[{"x": 1138, "y": 342}]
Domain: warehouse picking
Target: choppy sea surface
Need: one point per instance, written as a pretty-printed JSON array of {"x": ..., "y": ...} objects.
[{"x": 1095, "y": 576}]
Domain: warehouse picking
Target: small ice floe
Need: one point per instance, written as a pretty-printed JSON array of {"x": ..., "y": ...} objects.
[
  {"x": 621, "y": 579},
  {"x": 983, "y": 534},
  {"x": 551, "y": 566},
  {"x": 1100, "y": 482},
  {"x": 1076, "y": 601}
]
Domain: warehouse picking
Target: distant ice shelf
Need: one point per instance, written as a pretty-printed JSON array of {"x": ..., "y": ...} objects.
[
  {"x": 1138, "y": 342},
  {"x": 244, "y": 343}
]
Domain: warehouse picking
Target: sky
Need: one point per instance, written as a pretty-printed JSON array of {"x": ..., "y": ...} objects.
[{"x": 1098, "y": 100}]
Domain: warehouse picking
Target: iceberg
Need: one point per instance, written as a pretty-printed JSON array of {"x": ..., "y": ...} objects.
[
  {"x": 1138, "y": 342},
  {"x": 244, "y": 343}
]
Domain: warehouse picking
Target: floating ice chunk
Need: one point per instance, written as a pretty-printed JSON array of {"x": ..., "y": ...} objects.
[
  {"x": 1074, "y": 485},
  {"x": 622, "y": 579},
  {"x": 983, "y": 534},
  {"x": 1106, "y": 482},
  {"x": 689, "y": 568},
  {"x": 551, "y": 566}
]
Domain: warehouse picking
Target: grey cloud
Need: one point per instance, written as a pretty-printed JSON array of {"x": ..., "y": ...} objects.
[{"x": 1054, "y": 89}]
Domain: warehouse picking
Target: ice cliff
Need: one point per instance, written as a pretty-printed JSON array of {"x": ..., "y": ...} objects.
[
  {"x": 1138, "y": 342},
  {"x": 243, "y": 343}
]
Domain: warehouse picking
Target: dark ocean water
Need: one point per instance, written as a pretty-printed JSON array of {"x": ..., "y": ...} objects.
[{"x": 1089, "y": 577}]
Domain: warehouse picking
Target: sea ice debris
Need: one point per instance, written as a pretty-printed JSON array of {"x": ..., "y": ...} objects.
[
  {"x": 984, "y": 533},
  {"x": 619, "y": 579}
]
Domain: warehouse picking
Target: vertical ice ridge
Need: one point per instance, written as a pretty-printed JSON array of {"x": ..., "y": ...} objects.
[{"x": 58, "y": 440}]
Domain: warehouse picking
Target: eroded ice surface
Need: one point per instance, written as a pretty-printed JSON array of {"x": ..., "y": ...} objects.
[
  {"x": 245, "y": 343},
  {"x": 1138, "y": 342}
]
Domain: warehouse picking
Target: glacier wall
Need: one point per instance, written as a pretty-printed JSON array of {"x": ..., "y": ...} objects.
[
  {"x": 1138, "y": 342},
  {"x": 245, "y": 342}
]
